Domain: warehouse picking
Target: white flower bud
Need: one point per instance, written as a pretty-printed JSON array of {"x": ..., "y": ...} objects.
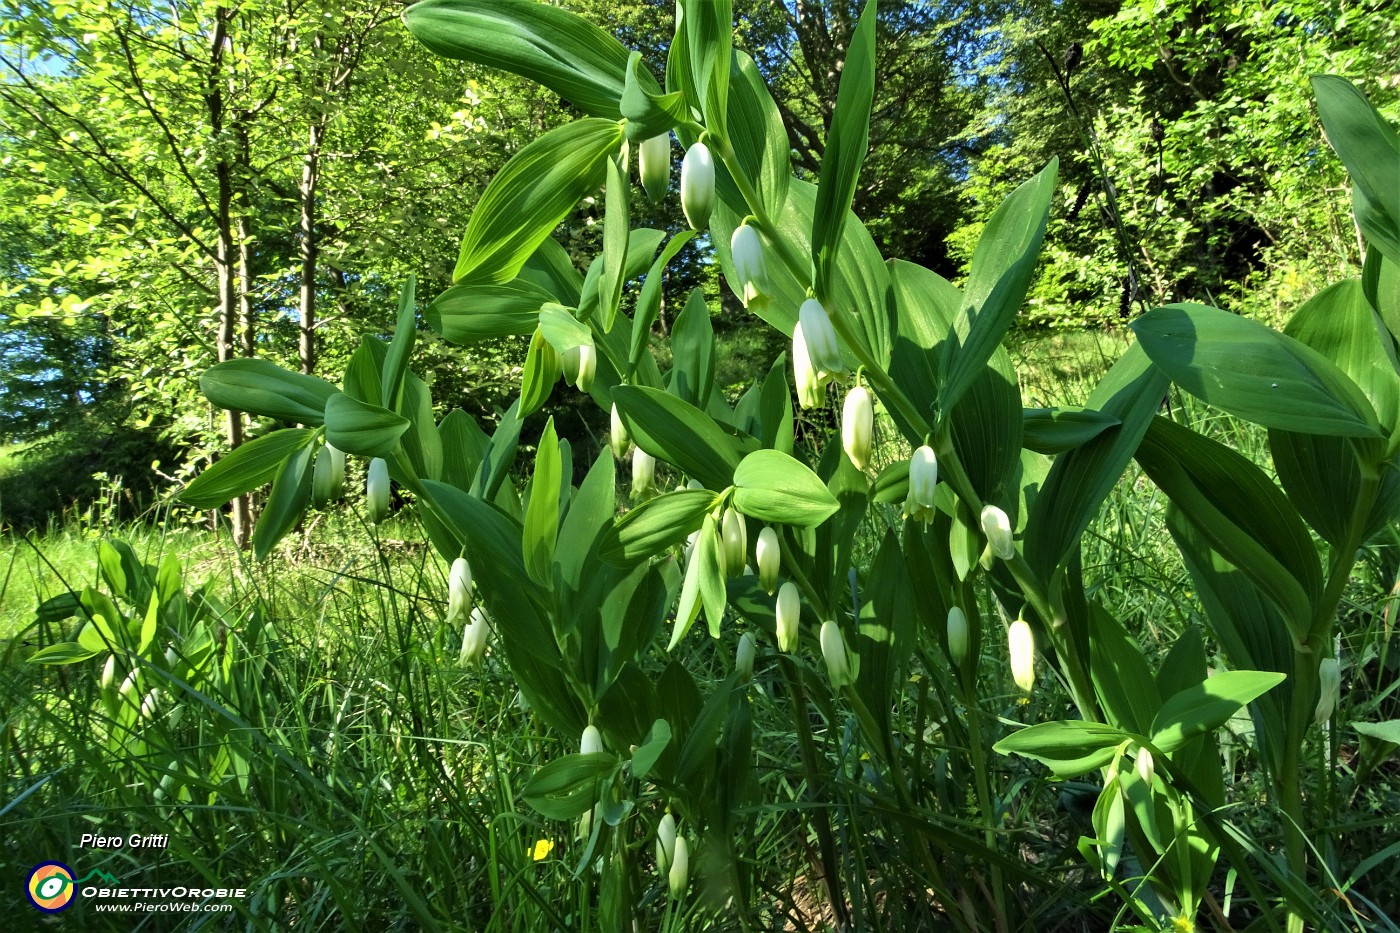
[
  {"x": 618, "y": 437},
  {"x": 643, "y": 472},
  {"x": 109, "y": 672},
  {"x": 592, "y": 741},
  {"x": 957, "y": 635},
  {"x": 377, "y": 490},
  {"x": 750, "y": 269},
  {"x": 654, "y": 165},
  {"x": 1329, "y": 676},
  {"x": 1146, "y": 768},
  {"x": 474, "y": 635},
  {"x": 923, "y": 484},
  {"x": 743, "y": 657},
  {"x": 811, "y": 391},
  {"x": 839, "y": 666},
  {"x": 857, "y": 426},
  {"x": 1021, "y": 644},
  {"x": 698, "y": 185},
  {"x": 679, "y": 875},
  {"x": 148, "y": 704},
  {"x": 459, "y": 591},
  {"x": 580, "y": 364},
  {"x": 789, "y": 613},
  {"x": 735, "y": 537},
  {"x": 997, "y": 527},
  {"x": 665, "y": 843},
  {"x": 770, "y": 558},
  {"x": 820, "y": 334}
]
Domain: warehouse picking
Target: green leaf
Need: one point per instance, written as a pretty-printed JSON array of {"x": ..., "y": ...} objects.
[
  {"x": 693, "y": 352},
  {"x": 567, "y": 787},
  {"x": 926, "y": 305},
  {"x": 1122, "y": 680},
  {"x": 263, "y": 388},
  {"x": 1206, "y": 706},
  {"x": 846, "y": 145},
  {"x": 1081, "y": 479},
  {"x": 709, "y": 31},
  {"x": 656, "y": 525},
  {"x": 648, "y": 111},
  {"x": 773, "y": 487},
  {"x": 562, "y": 329},
  {"x": 65, "y": 652},
  {"x": 657, "y": 738},
  {"x": 530, "y": 195},
  {"x": 396, "y": 360},
  {"x": 550, "y": 269},
  {"x": 1056, "y": 430},
  {"x": 1370, "y": 150},
  {"x": 421, "y": 442},
  {"x": 544, "y": 43},
  {"x": 616, "y": 224},
  {"x": 775, "y": 420},
  {"x": 679, "y": 433},
  {"x": 362, "y": 379},
  {"x": 649, "y": 301},
  {"x": 998, "y": 279},
  {"x": 1240, "y": 512},
  {"x": 1260, "y": 375},
  {"x": 362, "y": 429},
  {"x": 468, "y": 313},
  {"x": 542, "y": 512},
  {"x": 760, "y": 144},
  {"x": 291, "y": 490},
  {"x": 250, "y": 465},
  {"x": 1068, "y": 748}
]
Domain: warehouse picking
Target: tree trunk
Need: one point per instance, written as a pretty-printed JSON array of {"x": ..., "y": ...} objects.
[
  {"x": 310, "y": 247},
  {"x": 224, "y": 268}
]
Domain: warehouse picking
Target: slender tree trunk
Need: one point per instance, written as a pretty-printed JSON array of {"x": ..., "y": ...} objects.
[
  {"x": 224, "y": 261},
  {"x": 310, "y": 246}
]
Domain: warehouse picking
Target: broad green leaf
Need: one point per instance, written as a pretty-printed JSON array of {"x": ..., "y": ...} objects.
[
  {"x": 999, "y": 277},
  {"x": 679, "y": 433},
  {"x": 396, "y": 360},
  {"x": 589, "y": 518},
  {"x": 544, "y": 43},
  {"x": 530, "y": 195},
  {"x": 362, "y": 429},
  {"x": 1370, "y": 150},
  {"x": 775, "y": 420},
  {"x": 693, "y": 352},
  {"x": 649, "y": 301},
  {"x": 568, "y": 787},
  {"x": 985, "y": 427},
  {"x": 1068, "y": 748},
  {"x": 542, "y": 512},
  {"x": 421, "y": 442},
  {"x": 363, "y": 379},
  {"x": 562, "y": 329},
  {"x": 464, "y": 444},
  {"x": 1056, "y": 430},
  {"x": 846, "y": 143},
  {"x": 1122, "y": 680},
  {"x": 468, "y": 313},
  {"x": 616, "y": 223},
  {"x": 1239, "y": 510},
  {"x": 263, "y": 388},
  {"x": 656, "y": 525},
  {"x": 1388, "y": 731},
  {"x": 250, "y": 465},
  {"x": 550, "y": 269},
  {"x": 709, "y": 33},
  {"x": 1255, "y": 373},
  {"x": 649, "y": 112},
  {"x": 760, "y": 144},
  {"x": 65, "y": 652},
  {"x": 657, "y": 738},
  {"x": 495, "y": 464},
  {"x": 711, "y": 563},
  {"x": 926, "y": 304},
  {"x": 1340, "y": 323},
  {"x": 1082, "y": 478},
  {"x": 291, "y": 490},
  {"x": 773, "y": 487},
  {"x": 1206, "y": 706}
]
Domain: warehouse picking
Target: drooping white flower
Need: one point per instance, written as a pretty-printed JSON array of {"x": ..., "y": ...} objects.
[
  {"x": 618, "y": 437},
  {"x": 679, "y": 875},
  {"x": 750, "y": 268},
  {"x": 770, "y": 558},
  {"x": 857, "y": 426},
  {"x": 377, "y": 490},
  {"x": 923, "y": 485},
  {"x": 698, "y": 185},
  {"x": 643, "y": 472},
  {"x": 836, "y": 654},
  {"x": 997, "y": 527},
  {"x": 474, "y": 637},
  {"x": 957, "y": 635},
  {"x": 580, "y": 364},
  {"x": 811, "y": 391},
  {"x": 591, "y": 742},
  {"x": 820, "y": 334},
  {"x": 734, "y": 536},
  {"x": 1329, "y": 676},
  {"x": 1021, "y": 645},
  {"x": 789, "y": 613},
  {"x": 459, "y": 592},
  {"x": 743, "y": 657}
]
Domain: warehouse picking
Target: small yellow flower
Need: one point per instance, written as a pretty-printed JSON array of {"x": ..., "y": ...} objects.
[{"x": 541, "y": 849}]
